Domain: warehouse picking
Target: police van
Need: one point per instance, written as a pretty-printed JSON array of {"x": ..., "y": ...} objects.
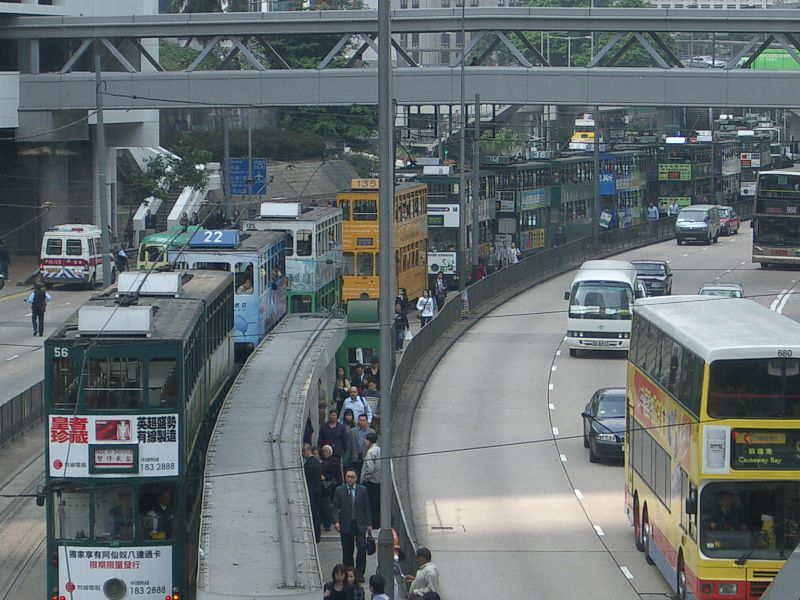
[{"x": 72, "y": 253}]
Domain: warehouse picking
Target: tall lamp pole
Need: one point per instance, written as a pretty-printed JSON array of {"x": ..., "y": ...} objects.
[
  {"x": 462, "y": 180},
  {"x": 387, "y": 295}
]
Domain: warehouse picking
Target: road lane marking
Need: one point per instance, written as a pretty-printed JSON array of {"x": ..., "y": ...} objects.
[
  {"x": 599, "y": 530},
  {"x": 555, "y": 430},
  {"x": 563, "y": 457},
  {"x": 777, "y": 300},
  {"x": 554, "y": 368},
  {"x": 626, "y": 572},
  {"x": 558, "y": 352},
  {"x": 783, "y": 302},
  {"x": 550, "y": 387},
  {"x": 28, "y": 314},
  {"x": 685, "y": 255},
  {"x": 578, "y": 494},
  {"x": 12, "y": 357},
  {"x": 551, "y": 406},
  {"x": 744, "y": 262}
]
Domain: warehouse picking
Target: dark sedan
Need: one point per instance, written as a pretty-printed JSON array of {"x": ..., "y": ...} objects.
[
  {"x": 655, "y": 275},
  {"x": 604, "y": 424}
]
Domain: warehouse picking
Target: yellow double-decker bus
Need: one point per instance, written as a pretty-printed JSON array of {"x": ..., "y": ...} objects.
[
  {"x": 712, "y": 453},
  {"x": 360, "y": 239}
]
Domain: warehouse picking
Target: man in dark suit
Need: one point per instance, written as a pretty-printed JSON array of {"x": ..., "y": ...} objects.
[
  {"x": 352, "y": 519},
  {"x": 313, "y": 471}
]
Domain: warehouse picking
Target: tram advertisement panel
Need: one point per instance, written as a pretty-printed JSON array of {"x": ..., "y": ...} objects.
[
  {"x": 143, "y": 573},
  {"x": 113, "y": 446}
]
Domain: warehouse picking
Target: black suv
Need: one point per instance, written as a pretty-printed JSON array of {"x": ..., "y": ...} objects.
[{"x": 655, "y": 275}]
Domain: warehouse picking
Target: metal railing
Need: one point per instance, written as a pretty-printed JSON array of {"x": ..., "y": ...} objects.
[
  {"x": 23, "y": 410},
  {"x": 429, "y": 345}
]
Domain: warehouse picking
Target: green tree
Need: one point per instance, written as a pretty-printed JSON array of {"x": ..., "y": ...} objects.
[{"x": 165, "y": 174}]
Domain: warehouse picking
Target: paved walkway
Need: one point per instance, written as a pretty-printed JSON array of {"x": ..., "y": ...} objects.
[{"x": 20, "y": 267}]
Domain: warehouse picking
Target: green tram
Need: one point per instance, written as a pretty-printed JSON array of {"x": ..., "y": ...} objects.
[
  {"x": 133, "y": 382},
  {"x": 153, "y": 250},
  {"x": 685, "y": 173}
]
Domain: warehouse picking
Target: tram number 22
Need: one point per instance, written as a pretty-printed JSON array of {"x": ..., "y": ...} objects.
[
  {"x": 148, "y": 589},
  {"x": 60, "y": 352},
  {"x": 784, "y": 353}
]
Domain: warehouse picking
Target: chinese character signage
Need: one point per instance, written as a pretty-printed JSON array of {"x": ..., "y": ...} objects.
[
  {"x": 125, "y": 445},
  {"x": 766, "y": 449},
  {"x": 146, "y": 572},
  {"x": 675, "y": 171}
]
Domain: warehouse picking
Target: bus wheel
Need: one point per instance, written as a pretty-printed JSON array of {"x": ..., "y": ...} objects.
[
  {"x": 680, "y": 587},
  {"x": 637, "y": 525},
  {"x": 646, "y": 538}
]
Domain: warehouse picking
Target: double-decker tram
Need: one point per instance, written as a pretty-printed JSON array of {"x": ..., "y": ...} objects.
[
  {"x": 685, "y": 173},
  {"x": 776, "y": 218},
  {"x": 257, "y": 261},
  {"x": 360, "y": 256},
  {"x": 313, "y": 252},
  {"x": 132, "y": 384},
  {"x": 712, "y": 471}
]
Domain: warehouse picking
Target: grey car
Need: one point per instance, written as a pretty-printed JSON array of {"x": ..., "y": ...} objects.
[{"x": 722, "y": 290}]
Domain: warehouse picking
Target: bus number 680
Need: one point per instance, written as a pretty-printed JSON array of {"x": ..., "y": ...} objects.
[{"x": 785, "y": 353}]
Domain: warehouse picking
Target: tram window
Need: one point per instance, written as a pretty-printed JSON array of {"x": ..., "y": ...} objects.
[
  {"x": 348, "y": 263},
  {"x": 63, "y": 382},
  {"x": 162, "y": 382},
  {"x": 301, "y": 304},
  {"x": 71, "y": 515},
  {"x": 345, "y": 206},
  {"x": 364, "y": 261},
  {"x": 243, "y": 278},
  {"x": 304, "y": 238},
  {"x": 114, "y": 514},
  {"x": 157, "y": 505},
  {"x": 113, "y": 383},
  {"x": 378, "y": 264},
  {"x": 213, "y": 266},
  {"x": 365, "y": 210},
  {"x": 289, "y": 242},
  {"x": 53, "y": 247}
]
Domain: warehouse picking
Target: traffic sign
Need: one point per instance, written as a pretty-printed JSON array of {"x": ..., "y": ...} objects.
[{"x": 239, "y": 173}]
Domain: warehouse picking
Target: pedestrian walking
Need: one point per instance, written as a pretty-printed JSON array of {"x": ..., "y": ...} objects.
[
  {"x": 38, "y": 299},
  {"x": 425, "y": 307},
  {"x": 374, "y": 371},
  {"x": 341, "y": 388},
  {"x": 673, "y": 209},
  {"x": 355, "y": 444},
  {"x": 149, "y": 220},
  {"x": 439, "y": 290},
  {"x": 332, "y": 433},
  {"x": 331, "y": 479},
  {"x": 427, "y": 577},
  {"x": 122, "y": 260},
  {"x": 194, "y": 219},
  {"x": 400, "y": 327},
  {"x": 313, "y": 472},
  {"x": 352, "y": 520},
  {"x": 184, "y": 221},
  {"x": 357, "y": 404},
  {"x": 336, "y": 588},
  {"x": 514, "y": 254},
  {"x": 371, "y": 477},
  {"x": 480, "y": 270},
  {"x": 129, "y": 232},
  {"x": 5, "y": 259},
  {"x": 353, "y": 581},
  {"x": 402, "y": 299},
  {"x": 377, "y": 587},
  {"x": 373, "y": 396}
]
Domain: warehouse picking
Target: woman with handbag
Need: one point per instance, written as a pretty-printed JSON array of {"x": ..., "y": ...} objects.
[
  {"x": 400, "y": 327},
  {"x": 425, "y": 307}
]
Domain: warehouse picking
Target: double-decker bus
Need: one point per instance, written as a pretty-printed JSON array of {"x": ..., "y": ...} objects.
[
  {"x": 313, "y": 251},
  {"x": 776, "y": 218},
  {"x": 712, "y": 472},
  {"x": 754, "y": 156},
  {"x": 360, "y": 264},
  {"x": 133, "y": 382}
]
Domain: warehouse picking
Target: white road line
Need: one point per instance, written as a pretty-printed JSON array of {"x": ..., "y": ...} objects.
[
  {"x": 563, "y": 457},
  {"x": 599, "y": 530},
  {"x": 550, "y": 387},
  {"x": 706, "y": 248},
  {"x": 28, "y": 314},
  {"x": 551, "y": 406},
  {"x": 554, "y": 368},
  {"x": 777, "y": 300},
  {"x": 12, "y": 357},
  {"x": 558, "y": 352},
  {"x": 744, "y": 262},
  {"x": 578, "y": 494},
  {"x": 728, "y": 271},
  {"x": 555, "y": 430},
  {"x": 685, "y": 255},
  {"x": 783, "y": 302},
  {"x": 626, "y": 572}
]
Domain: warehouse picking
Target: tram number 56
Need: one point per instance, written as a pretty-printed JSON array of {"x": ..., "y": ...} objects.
[
  {"x": 784, "y": 353},
  {"x": 60, "y": 352}
]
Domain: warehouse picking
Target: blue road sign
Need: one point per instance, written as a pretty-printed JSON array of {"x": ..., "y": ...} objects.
[{"x": 238, "y": 177}]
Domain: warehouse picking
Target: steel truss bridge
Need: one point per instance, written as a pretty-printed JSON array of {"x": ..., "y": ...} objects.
[{"x": 56, "y": 59}]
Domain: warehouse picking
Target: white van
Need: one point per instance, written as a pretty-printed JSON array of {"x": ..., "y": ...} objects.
[
  {"x": 601, "y": 305},
  {"x": 72, "y": 253}
]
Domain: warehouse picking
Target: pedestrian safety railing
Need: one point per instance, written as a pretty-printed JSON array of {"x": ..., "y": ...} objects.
[
  {"x": 422, "y": 354},
  {"x": 22, "y": 411}
]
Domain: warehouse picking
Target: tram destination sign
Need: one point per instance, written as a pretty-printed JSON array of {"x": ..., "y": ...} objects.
[{"x": 765, "y": 449}]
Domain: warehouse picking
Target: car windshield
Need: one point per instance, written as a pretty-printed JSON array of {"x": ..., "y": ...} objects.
[
  {"x": 649, "y": 269},
  {"x": 722, "y": 292},
  {"x": 692, "y": 216},
  {"x": 611, "y": 406},
  {"x": 600, "y": 300},
  {"x": 753, "y": 520},
  {"x": 724, "y": 212}
]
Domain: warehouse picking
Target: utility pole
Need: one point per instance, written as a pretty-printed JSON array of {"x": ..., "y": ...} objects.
[
  {"x": 596, "y": 210},
  {"x": 476, "y": 184},
  {"x": 100, "y": 153},
  {"x": 387, "y": 294},
  {"x": 226, "y": 161},
  {"x": 462, "y": 213}
]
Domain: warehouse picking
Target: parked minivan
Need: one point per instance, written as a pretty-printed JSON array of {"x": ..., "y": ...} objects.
[{"x": 697, "y": 223}]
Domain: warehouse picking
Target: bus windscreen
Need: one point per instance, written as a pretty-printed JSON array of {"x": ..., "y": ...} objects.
[
  {"x": 599, "y": 300},
  {"x": 766, "y": 388}
]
